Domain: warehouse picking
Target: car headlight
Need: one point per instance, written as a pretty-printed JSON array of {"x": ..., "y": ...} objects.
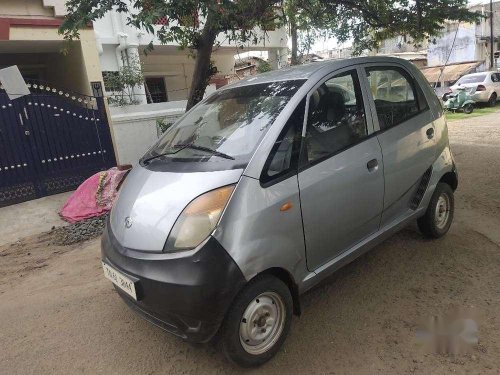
[{"x": 198, "y": 220}]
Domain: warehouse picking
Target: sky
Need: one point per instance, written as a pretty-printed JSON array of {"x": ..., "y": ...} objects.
[{"x": 475, "y": 2}]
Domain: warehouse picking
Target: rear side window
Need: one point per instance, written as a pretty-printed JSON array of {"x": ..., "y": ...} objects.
[
  {"x": 397, "y": 97},
  {"x": 471, "y": 79},
  {"x": 494, "y": 77},
  {"x": 283, "y": 159}
]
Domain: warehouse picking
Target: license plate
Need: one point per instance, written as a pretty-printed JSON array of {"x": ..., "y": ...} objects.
[{"x": 120, "y": 280}]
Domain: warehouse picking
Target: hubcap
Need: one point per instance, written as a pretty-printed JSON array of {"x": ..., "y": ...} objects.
[
  {"x": 262, "y": 323},
  {"x": 442, "y": 211}
]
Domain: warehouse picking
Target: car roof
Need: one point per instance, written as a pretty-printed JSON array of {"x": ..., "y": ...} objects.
[
  {"x": 305, "y": 72},
  {"x": 476, "y": 74}
]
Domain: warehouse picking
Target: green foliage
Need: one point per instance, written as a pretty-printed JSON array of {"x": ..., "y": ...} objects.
[
  {"x": 263, "y": 67},
  {"x": 236, "y": 19},
  {"x": 368, "y": 22},
  {"x": 121, "y": 84},
  {"x": 193, "y": 24},
  {"x": 162, "y": 125}
]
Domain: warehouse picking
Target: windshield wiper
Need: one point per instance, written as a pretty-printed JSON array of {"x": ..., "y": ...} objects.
[
  {"x": 203, "y": 148},
  {"x": 151, "y": 158},
  {"x": 191, "y": 146}
]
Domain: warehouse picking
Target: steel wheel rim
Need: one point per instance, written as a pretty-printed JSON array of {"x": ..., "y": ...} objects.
[
  {"x": 442, "y": 213},
  {"x": 262, "y": 323}
]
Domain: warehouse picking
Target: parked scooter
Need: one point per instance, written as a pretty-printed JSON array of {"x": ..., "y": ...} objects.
[{"x": 460, "y": 101}]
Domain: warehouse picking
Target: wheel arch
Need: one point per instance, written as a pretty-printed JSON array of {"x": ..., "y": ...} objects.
[
  {"x": 451, "y": 179},
  {"x": 289, "y": 281}
]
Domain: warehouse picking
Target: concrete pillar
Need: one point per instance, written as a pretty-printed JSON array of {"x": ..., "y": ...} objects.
[{"x": 278, "y": 57}]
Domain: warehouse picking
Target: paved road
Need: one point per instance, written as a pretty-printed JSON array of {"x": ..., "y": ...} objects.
[{"x": 59, "y": 315}]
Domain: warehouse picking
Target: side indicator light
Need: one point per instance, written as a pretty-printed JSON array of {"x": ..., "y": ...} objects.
[{"x": 286, "y": 207}]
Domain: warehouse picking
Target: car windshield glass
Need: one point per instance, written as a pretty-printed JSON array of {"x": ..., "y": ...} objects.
[
  {"x": 228, "y": 125},
  {"x": 471, "y": 79}
]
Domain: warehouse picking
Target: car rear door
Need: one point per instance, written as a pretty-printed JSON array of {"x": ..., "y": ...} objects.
[
  {"x": 341, "y": 172},
  {"x": 405, "y": 130}
]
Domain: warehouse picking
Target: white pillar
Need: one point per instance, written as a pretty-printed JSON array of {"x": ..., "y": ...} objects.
[{"x": 278, "y": 57}]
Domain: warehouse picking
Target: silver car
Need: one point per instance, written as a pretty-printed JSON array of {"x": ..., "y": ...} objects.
[
  {"x": 482, "y": 87},
  {"x": 269, "y": 186}
]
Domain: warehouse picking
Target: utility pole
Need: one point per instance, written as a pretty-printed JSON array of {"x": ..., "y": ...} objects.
[{"x": 492, "y": 38}]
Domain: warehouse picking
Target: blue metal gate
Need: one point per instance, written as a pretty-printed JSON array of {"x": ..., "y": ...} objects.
[{"x": 50, "y": 142}]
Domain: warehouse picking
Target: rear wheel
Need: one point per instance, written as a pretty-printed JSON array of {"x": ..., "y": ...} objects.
[
  {"x": 439, "y": 215},
  {"x": 468, "y": 108},
  {"x": 493, "y": 100},
  {"x": 258, "y": 322}
]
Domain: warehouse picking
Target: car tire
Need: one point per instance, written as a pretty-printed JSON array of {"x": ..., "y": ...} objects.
[
  {"x": 492, "y": 102},
  {"x": 439, "y": 214},
  {"x": 468, "y": 108},
  {"x": 258, "y": 322}
]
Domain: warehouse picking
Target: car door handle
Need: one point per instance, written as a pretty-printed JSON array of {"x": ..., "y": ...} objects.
[
  {"x": 372, "y": 165},
  {"x": 430, "y": 133}
]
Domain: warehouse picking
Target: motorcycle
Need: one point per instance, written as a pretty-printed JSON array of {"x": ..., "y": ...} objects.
[{"x": 460, "y": 101}]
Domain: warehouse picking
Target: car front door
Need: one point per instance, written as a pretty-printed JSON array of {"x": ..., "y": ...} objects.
[
  {"x": 341, "y": 172},
  {"x": 406, "y": 133}
]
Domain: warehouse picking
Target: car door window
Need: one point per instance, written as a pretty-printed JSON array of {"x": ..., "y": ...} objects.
[
  {"x": 494, "y": 77},
  {"x": 336, "y": 117},
  {"x": 283, "y": 159},
  {"x": 397, "y": 97}
]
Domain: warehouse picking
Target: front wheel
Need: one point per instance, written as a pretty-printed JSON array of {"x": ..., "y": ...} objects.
[
  {"x": 258, "y": 322},
  {"x": 439, "y": 215}
]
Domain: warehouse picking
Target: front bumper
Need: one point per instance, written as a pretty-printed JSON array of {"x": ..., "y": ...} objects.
[{"x": 186, "y": 296}]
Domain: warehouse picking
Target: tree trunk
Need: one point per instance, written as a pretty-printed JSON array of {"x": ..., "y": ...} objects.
[
  {"x": 202, "y": 68},
  {"x": 294, "y": 37}
]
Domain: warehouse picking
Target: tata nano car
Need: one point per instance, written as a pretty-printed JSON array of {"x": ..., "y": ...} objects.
[{"x": 267, "y": 187}]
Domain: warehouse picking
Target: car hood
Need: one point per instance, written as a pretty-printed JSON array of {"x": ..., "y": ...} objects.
[{"x": 150, "y": 202}]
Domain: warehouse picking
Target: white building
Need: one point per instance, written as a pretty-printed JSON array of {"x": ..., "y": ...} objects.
[{"x": 168, "y": 70}]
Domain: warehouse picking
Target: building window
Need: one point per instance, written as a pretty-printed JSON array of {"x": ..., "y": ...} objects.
[{"x": 157, "y": 92}]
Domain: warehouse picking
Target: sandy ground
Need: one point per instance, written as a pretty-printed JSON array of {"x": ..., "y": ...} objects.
[
  {"x": 41, "y": 215},
  {"x": 60, "y": 316}
]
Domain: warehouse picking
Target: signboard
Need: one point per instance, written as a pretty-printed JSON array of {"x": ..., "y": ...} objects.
[
  {"x": 13, "y": 82},
  {"x": 96, "y": 89}
]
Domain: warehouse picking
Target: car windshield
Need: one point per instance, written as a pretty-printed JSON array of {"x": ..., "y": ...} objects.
[
  {"x": 471, "y": 79},
  {"x": 226, "y": 126}
]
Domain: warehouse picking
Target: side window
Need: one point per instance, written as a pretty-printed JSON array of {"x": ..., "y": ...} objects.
[
  {"x": 396, "y": 96},
  {"x": 422, "y": 101},
  {"x": 283, "y": 159},
  {"x": 336, "y": 118},
  {"x": 494, "y": 77}
]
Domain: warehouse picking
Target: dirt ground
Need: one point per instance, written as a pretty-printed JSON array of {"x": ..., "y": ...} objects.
[{"x": 59, "y": 315}]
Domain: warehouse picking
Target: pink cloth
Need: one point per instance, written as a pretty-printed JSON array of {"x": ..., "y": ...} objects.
[{"x": 94, "y": 197}]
